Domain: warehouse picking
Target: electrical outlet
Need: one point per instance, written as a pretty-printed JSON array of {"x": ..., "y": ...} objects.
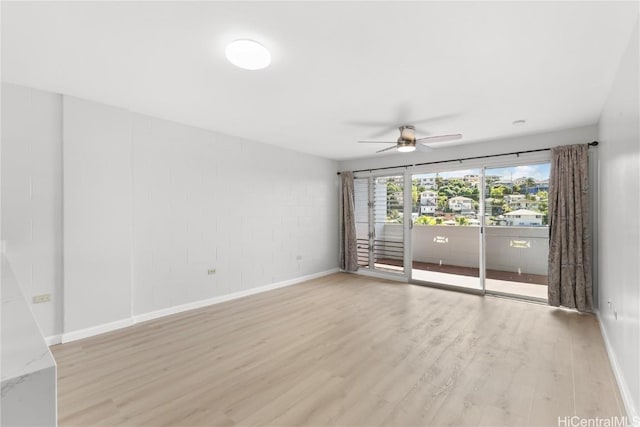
[
  {"x": 211, "y": 271},
  {"x": 37, "y": 299}
]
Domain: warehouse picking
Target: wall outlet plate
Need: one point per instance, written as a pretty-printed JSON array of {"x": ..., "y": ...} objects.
[{"x": 37, "y": 299}]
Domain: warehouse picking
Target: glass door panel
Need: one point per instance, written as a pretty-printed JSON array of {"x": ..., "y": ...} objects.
[
  {"x": 446, "y": 228},
  {"x": 517, "y": 232},
  {"x": 388, "y": 217},
  {"x": 363, "y": 237},
  {"x": 379, "y": 222}
]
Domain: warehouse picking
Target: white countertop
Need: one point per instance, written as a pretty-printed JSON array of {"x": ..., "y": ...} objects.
[{"x": 23, "y": 349}]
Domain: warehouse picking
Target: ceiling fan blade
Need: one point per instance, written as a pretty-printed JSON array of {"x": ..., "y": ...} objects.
[
  {"x": 386, "y": 149},
  {"x": 377, "y": 142},
  {"x": 440, "y": 138},
  {"x": 424, "y": 148}
]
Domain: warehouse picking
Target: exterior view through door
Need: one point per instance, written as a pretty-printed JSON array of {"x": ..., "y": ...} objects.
[
  {"x": 479, "y": 229},
  {"x": 517, "y": 230},
  {"x": 379, "y": 208}
]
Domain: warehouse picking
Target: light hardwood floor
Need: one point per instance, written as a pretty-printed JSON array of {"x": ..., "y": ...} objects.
[{"x": 343, "y": 350}]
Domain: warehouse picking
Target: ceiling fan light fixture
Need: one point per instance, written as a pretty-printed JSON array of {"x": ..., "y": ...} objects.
[
  {"x": 406, "y": 148},
  {"x": 248, "y": 54},
  {"x": 407, "y": 133}
]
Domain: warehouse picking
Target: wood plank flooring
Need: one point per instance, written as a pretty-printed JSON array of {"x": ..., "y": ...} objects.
[{"x": 343, "y": 350}]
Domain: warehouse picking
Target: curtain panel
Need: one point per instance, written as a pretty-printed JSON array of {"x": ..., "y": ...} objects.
[
  {"x": 570, "y": 281},
  {"x": 348, "y": 247}
]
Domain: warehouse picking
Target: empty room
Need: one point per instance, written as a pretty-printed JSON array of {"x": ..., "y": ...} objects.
[{"x": 299, "y": 213}]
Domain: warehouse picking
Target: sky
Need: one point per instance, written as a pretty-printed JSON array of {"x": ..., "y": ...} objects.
[{"x": 537, "y": 171}]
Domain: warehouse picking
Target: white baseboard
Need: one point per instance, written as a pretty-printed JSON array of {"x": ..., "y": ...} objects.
[
  {"x": 629, "y": 405},
  {"x": 222, "y": 298},
  {"x": 96, "y": 330},
  {"x": 53, "y": 340},
  {"x": 100, "y": 329}
]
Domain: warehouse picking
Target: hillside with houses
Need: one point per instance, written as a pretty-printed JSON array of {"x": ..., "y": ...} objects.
[{"x": 441, "y": 200}]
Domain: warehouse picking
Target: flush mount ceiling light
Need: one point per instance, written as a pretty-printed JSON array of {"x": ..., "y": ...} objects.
[
  {"x": 248, "y": 54},
  {"x": 519, "y": 122},
  {"x": 406, "y": 147}
]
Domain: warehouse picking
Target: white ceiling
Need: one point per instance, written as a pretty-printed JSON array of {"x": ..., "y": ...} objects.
[{"x": 473, "y": 67}]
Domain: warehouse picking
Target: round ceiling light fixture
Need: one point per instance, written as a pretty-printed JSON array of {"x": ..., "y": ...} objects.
[
  {"x": 519, "y": 122},
  {"x": 248, "y": 54},
  {"x": 406, "y": 147}
]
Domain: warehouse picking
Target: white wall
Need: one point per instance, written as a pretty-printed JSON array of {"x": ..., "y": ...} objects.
[
  {"x": 208, "y": 201},
  {"x": 97, "y": 214},
  {"x": 32, "y": 197},
  {"x": 149, "y": 207},
  {"x": 619, "y": 237}
]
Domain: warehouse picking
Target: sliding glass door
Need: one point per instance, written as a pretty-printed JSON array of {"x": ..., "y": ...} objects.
[
  {"x": 379, "y": 205},
  {"x": 517, "y": 231},
  {"x": 482, "y": 229},
  {"x": 445, "y": 233}
]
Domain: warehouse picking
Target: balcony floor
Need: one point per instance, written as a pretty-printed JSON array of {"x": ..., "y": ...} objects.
[{"x": 504, "y": 282}]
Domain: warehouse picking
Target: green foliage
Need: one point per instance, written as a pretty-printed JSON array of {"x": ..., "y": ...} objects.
[
  {"x": 497, "y": 192},
  {"x": 447, "y": 191},
  {"x": 425, "y": 220},
  {"x": 443, "y": 203},
  {"x": 461, "y": 220},
  {"x": 394, "y": 216},
  {"x": 500, "y": 191},
  {"x": 392, "y": 187}
]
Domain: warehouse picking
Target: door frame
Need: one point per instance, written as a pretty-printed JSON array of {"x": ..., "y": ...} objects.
[{"x": 371, "y": 269}]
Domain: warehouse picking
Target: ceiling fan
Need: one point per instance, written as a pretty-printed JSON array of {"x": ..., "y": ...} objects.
[{"x": 407, "y": 141}]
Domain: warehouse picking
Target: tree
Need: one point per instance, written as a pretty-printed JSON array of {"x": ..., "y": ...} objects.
[
  {"x": 447, "y": 191},
  {"x": 439, "y": 181},
  {"x": 497, "y": 192},
  {"x": 443, "y": 203},
  {"x": 461, "y": 220},
  {"x": 425, "y": 220},
  {"x": 394, "y": 216},
  {"x": 415, "y": 195}
]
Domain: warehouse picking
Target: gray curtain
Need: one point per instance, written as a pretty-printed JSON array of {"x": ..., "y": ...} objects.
[
  {"x": 570, "y": 282},
  {"x": 349, "y": 248}
]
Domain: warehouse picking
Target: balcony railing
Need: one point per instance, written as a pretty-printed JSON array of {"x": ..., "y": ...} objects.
[{"x": 510, "y": 251}]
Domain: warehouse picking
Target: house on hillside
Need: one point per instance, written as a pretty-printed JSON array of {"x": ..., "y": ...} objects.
[
  {"x": 524, "y": 217},
  {"x": 428, "y": 202},
  {"x": 461, "y": 204}
]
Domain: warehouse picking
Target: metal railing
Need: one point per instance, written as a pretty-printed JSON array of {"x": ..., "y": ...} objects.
[{"x": 388, "y": 250}]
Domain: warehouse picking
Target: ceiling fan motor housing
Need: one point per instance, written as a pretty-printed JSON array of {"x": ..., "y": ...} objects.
[{"x": 407, "y": 134}]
